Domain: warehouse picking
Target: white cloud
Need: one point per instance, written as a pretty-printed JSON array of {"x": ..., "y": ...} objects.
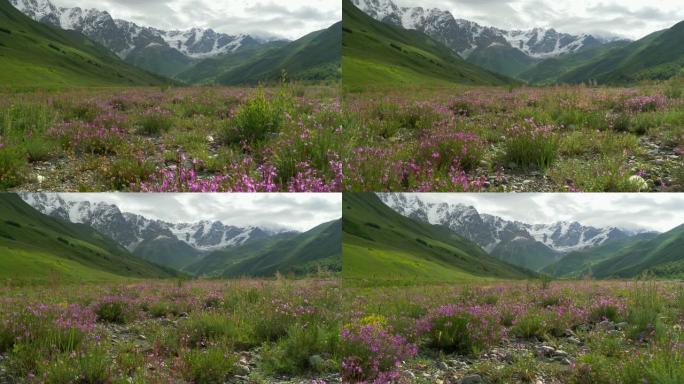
[
  {"x": 290, "y": 19},
  {"x": 301, "y": 211},
  {"x": 658, "y": 212},
  {"x": 628, "y": 18}
]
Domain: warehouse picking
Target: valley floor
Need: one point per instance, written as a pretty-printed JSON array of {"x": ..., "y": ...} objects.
[
  {"x": 566, "y": 138},
  {"x": 199, "y": 139},
  {"x": 534, "y": 332},
  {"x": 238, "y": 331}
]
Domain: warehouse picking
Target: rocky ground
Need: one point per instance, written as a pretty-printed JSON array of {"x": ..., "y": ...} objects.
[{"x": 514, "y": 361}]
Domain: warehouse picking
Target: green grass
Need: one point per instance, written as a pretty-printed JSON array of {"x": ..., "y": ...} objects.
[
  {"x": 378, "y": 54},
  {"x": 380, "y": 244},
  {"x": 37, "y": 55},
  {"x": 68, "y": 251},
  {"x": 26, "y": 267}
]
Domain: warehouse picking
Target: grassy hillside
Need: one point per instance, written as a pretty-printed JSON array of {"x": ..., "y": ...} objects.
[
  {"x": 37, "y": 55},
  {"x": 579, "y": 263},
  {"x": 314, "y": 57},
  {"x": 285, "y": 253},
  {"x": 504, "y": 60},
  {"x": 375, "y": 53},
  {"x": 662, "y": 255},
  {"x": 207, "y": 70},
  {"x": 528, "y": 254},
  {"x": 657, "y": 56},
  {"x": 35, "y": 247},
  {"x": 550, "y": 70},
  {"x": 169, "y": 252},
  {"x": 379, "y": 243}
]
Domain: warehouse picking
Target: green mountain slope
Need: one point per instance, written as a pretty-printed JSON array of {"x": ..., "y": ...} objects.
[
  {"x": 657, "y": 56},
  {"x": 35, "y": 247},
  {"x": 169, "y": 252},
  {"x": 159, "y": 59},
  {"x": 528, "y": 254},
  {"x": 379, "y": 243},
  {"x": 298, "y": 253},
  {"x": 662, "y": 255},
  {"x": 34, "y": 54},
  {"x": 550, "y": 70},
  {"x": 207, "y": 70},
  {"x": 504, "y": 60},
  {"x": 579, "y": 263},
  {"x": 376, "y": 53},
  {"x": 314, "y": 57}
]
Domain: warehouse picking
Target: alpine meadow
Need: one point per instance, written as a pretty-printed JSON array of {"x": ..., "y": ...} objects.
[{"x": 341, "y": 192}]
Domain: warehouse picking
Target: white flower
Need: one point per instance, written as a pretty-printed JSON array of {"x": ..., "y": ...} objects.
[{"x": 638, "y": 182}]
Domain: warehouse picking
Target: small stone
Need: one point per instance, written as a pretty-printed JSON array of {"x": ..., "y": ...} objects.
[
  {"x": 574, "y": 340},
  {"x": 546, "y": 350},
  {"x": 560, "y": 353},
  {"x": 471, "y": 379},
  {"x": 566, "y": 361},
  {"x": 525, "y": 182},
  {"x": 243, "y": 370},
  {"x": 621, "y": 326},
  {"x": 142, "y": 337},
  {"x": 40, "y": 179},
  {"x": 210, "y": 138},
  {"x": 410, "y": 374},
  {"x": 444, "y": 366}
]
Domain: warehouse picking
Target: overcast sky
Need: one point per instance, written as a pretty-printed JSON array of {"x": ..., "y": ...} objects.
[
  {"x": 275, "y": 210},
  {"x": 656, "y": 212},
  {"x": 266, "y": 18},
  {"x": 627, "y": 18}
]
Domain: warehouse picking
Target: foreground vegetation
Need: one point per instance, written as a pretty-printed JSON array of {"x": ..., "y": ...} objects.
[
  {"x": 286, "y": 138},
  {"x": 537, "y": 332},
  {"x": 565, "y": 138},
  {"x": 256, "y": 331}
]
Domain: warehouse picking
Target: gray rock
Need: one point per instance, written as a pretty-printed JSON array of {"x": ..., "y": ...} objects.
[
  {"x": 546, "y": 350},
  {"x": 560, "y": 353},
  {"x": 471, "y": 379}
]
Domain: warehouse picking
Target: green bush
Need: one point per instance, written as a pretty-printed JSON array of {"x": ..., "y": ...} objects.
[
  {"x": 155, "y": 123},
  {"x": 209, "y": 327},
  {"x": 311, "y": 349},
  {"x": 112, "y": 312},
  {"x": 13, "y": 166},
  {"x": 210, "y": 366},
  {"x": 255, "y": 121}
]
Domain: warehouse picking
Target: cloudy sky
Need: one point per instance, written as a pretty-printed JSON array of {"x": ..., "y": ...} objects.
[
  {"x": 277, "y": 210},
  {"x": 627, "y": 18},
  {"x": 658, "y": 212},
  {"x": 266, "y": 18}
]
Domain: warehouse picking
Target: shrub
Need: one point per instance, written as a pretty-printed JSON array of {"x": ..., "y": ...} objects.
[
  {"x": 124, "y": 172},
  {"x": 466, "y": 330},
  {"x": 209, "y": 366},
  {"x": 155, "y": 122},
  {"x": 208, "y": 327},
  {"x": 85, "y": 367},
  {"x": 112, "y": 311},
  {"x": 447, "y": 149},
  {"x": 12, "y": 167},
  {"x": 531, "y": 144},
  {"x": 371, "y": 353},
  {"x": 255, "y": 121},
  {"x": 305, "y": 349},
  {"x": 528, "y": 326}
]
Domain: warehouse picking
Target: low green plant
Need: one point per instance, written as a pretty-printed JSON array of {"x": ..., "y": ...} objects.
[
  {"x": 214, "y": 365},
  {"x": 311, "y": 349}
]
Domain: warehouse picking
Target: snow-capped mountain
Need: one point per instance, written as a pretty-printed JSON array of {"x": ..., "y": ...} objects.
[
  {"x": 492, "y": 232},
  {"x": 134, "y": 231},
  {"x": 134, "y": 43},
  {"x": 464, "y": 36}
]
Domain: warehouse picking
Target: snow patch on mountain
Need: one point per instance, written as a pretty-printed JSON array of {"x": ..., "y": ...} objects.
[
  {"x": 123, "y": 37},
  {"x": 464, "y": 36},
  {"x": 488, "y": 231},
  {"x": 131, "y": 230}
]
